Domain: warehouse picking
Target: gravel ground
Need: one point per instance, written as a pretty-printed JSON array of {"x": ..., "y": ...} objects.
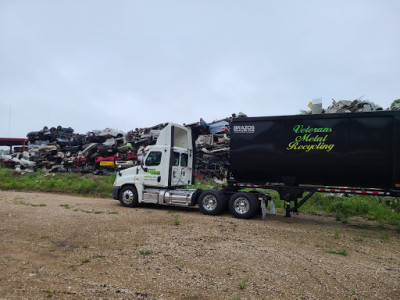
[{"x": 65, "y": 247}]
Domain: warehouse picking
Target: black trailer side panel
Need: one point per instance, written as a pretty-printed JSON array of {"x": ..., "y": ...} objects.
[{"x": 353, "y": 150}]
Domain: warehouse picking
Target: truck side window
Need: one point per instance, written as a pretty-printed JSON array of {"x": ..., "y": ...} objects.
[
  {"x": 153, "y": 159},
  {"x": 175, "y": 159},
  {"x": 184, "y": 160}
]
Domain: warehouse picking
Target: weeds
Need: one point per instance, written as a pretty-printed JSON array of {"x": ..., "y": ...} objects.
[
  {"x": 176, "y": 220},
  {"x": 65, "y": 206},
  {"x": 145, "y": 252},
  {"x": 65, "y": 183},
  {"x": 50, "y": 293},
  {"x": 337, "y": 234},
  {"x": 385, "y": 210},
  {"x": 96, "y": 212},
  {"x": 385, "y": 237},
  {"x": 339, "y": 252},
  {"x": 85, "y": 260},
  {"x": 234, "y": 228},
  {"x": 242, "y": 284},
  {"x": 21, "y": 202}
]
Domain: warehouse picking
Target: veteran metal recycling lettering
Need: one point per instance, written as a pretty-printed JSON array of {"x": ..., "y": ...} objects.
[{"x": 311, "y": 138}]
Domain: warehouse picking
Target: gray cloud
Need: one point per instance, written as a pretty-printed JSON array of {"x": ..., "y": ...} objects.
[{"x": 127, "y": 64}]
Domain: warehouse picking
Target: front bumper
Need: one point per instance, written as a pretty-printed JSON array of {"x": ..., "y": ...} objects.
[{"x": 115, "y": 192}]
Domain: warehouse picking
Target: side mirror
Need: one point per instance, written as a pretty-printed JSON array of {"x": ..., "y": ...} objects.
[
  {"x": 144, "y": 169},
  {"x": 142, "y": 164}
]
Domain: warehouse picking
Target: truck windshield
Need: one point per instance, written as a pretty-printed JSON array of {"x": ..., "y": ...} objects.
[{"x": 153, "y": 159}]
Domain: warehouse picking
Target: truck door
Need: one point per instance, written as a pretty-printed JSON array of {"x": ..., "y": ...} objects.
[
  {"x": 154, "y": 168},
  {"x": 181, "y": 174}
]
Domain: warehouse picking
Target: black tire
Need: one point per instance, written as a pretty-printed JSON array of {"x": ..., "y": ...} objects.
[
  {"x": 243, "y": 205},
  {"x": 211, "y": 202},
  {"x": 128, "y": 197}
]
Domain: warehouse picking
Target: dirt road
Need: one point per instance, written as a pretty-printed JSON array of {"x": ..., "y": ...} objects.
[{"x": 64, "y": 247}]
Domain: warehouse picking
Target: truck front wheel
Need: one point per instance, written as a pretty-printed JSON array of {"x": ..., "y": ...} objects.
[
  {"x": 128, "y": 196},
  {"x": 211, "y": 202},
  {"x": 243, "y": 205}
]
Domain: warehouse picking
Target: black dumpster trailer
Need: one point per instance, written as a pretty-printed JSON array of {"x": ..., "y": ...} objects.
[{"x": 337, "y": 153}]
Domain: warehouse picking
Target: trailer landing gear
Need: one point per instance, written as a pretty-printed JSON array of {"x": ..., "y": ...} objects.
[{"x": 292, "y": 194}]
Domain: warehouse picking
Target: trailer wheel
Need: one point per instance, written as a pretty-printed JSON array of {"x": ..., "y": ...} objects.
[
  {"x": 128, "y": 196},
  {"x": 211, "y": 202},
  {"x": 243, "y": 205}
]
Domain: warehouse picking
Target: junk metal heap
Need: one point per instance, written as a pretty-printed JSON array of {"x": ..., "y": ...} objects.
[{"x": 60, "y": 149}]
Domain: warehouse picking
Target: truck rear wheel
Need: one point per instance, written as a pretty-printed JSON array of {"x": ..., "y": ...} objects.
[
  {"x": 211, "y": 202},
  {"x": 243, "y": 205},
  {"x": 128, "y": 196}
]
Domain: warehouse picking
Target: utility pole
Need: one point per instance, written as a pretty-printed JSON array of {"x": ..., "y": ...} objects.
[{"x": 9, "y": 123}]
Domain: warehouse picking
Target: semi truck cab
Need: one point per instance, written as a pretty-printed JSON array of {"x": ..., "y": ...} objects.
[{"x": 162, "y": 174}]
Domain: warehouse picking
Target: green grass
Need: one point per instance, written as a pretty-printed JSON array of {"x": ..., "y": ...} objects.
[
  {"x": 337, "y": 234},
  {"x": 209, "y": 185},
  {"x": 176, "y": 220},
  {"x": 145, "y": 252},
  {"x": 339, "y": 252},
  {"x": 70, "y": 183},
  {"x": 385, "y": 210},
  {"x": 21, "y": 202},
  {"x": 242, "y": 284}
]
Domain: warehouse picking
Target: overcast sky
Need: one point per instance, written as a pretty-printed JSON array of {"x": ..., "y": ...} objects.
[{"x": 127, "y": 64}]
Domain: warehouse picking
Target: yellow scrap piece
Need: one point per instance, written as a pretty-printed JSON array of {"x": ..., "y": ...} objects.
[{"x": 107, "y": 164}]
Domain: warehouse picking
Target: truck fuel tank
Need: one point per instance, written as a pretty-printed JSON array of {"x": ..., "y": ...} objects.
[{"x": 181, "y": 197}]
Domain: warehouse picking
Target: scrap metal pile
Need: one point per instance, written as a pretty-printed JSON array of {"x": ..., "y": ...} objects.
[
  {"x": 60, "y": 149},
  {"x": 102, "y": 152},
  {"x": 355, "y": 106}
]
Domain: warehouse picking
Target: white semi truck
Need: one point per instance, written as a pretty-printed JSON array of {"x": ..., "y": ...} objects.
[
  {"x": 164, "y": 171},
  {"x": 288, "y": 154}
]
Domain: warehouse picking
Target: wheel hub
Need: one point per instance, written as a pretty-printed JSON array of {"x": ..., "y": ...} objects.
[
  {"x": 241, "y": 205},
  {"x": 128, "y": 197},
  {"x": 209, "y": 202}
]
